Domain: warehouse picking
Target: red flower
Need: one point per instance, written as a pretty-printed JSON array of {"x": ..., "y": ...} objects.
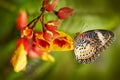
[
  {"x": 61, "y": 43},
  {"x": 45, "y": 3},
  {"x": 64, "y": 13},
  {"x": 36, "y": 52},
  {"x": 52, "y": 25},
  {"x": 39, "y": 44},
  {"x": 51, "y": 7},
  {"x": 19, "y": 58},
  {"x": 48, "y": 35},
  {"x": 21, "y": 21},
  {"x": 27, "y": 32}
]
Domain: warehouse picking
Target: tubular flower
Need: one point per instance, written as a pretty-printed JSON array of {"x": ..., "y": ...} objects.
[
  {"x": 21, "y": 21},
  {"x": 36, "y": 52},
  {"x": 61, "y": 43},
  {"x": 32, "y": 44},
  {"x": 19, "y": 58},
  {"x": 64, "y": 12},
  {"x": 52, "y": 25},
  {"x": 41, "y": 42},
  {"x": 27, "y": 32},
  {"x": 50, "y": 6}
]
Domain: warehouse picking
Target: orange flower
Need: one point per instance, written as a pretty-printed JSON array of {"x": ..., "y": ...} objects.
[
  {"x": 27, "y": 32},
  {"x": 64, "y": 12},
  {"x": 48, "y": 35},
  {"x": 19, "y": 58},
  {"x": 23, "y": 49},
  {"x": 21, "y": 21},
  {"x": 61, "y": 43},
  {"x": 45, "y": 3},
  {"x": 36, "y": 52},
  {"x": 51, "y": 7},
  {"x": 52, "y": 25},
  {"x": 39, "y": 44}
]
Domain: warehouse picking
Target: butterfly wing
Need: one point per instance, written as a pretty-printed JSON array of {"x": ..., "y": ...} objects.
[{"x": 90, "y": 44}]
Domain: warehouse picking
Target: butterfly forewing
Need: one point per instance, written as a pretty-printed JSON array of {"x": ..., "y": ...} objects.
[{"x": 90, "y": 44}]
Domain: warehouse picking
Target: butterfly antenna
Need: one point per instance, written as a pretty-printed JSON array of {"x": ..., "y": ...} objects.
[{"x": 83, "y": 27}]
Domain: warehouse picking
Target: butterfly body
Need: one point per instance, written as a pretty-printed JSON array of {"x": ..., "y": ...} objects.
[{"x": 89, "y": 45}]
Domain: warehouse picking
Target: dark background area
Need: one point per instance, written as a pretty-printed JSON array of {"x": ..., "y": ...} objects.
[{"x": 89, "y": 15}]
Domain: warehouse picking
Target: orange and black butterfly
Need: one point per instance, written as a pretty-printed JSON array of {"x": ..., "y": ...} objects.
[{"x": 89, "y": 45}]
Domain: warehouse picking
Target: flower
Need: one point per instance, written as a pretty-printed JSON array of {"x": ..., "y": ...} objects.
[
  {"x": 64, "y": 12},
  {"x": 50, "y": 6},
  {"x": 52, "y": 25},
  {"x": 48, "y": 35},
  {"x": 36, "y": 52},
  {"x": 19, "y": 58},
  {"x": 21, "y": 21},
  {"x": 61, "y": 43},
  {"x": 32, "y": 44},
  {"x": 27, "y": 32}
]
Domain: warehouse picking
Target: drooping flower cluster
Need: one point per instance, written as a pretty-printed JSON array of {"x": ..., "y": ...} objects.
[{"x": 39, "y": 44}]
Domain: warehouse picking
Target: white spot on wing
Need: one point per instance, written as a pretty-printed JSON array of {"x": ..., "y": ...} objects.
[{"x": 101, "y": 37}]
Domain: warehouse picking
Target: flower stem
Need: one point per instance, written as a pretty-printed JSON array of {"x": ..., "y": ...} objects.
[{"x": 41, "y": 18}]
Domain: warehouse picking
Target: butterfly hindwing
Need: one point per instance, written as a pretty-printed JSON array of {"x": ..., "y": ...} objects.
[{"x": 90, "y": 44}]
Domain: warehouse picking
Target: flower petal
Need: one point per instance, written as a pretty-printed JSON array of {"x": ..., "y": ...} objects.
[
  {"x": 45, "y": 3},
  {"x": 64, "y": 12},
  {"x": 48, "y": 35},
  {"x": 27, "y": 32},
  {"x": 62, "y": 43},
  {"x": 19, "y": 59},
  {"x": 36, "y": 52},
  {"x": 47, "y": 57},
  {"x": 25, "y": 43},
  {"x": 51, "y": 6},
  {"x": 21, "y": 21},
  {"x": 41, "y": 42}
]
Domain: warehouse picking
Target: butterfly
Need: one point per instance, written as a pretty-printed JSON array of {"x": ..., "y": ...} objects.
[{"x": 89, "y": 45}]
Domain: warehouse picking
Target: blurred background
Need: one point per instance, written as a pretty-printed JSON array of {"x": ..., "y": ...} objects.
[{"x": 89, "y": 15}]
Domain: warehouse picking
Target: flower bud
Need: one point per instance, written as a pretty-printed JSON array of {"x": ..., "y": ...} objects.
[
  {"x": 45, "y": 3},
  {"x": 21, "y": 21},
  {"x": 64, "y": 13},
  {"x": 51, "y": 6},
  {"x": 27, "y": 32},
  {"x": 52, "y": 25}
]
